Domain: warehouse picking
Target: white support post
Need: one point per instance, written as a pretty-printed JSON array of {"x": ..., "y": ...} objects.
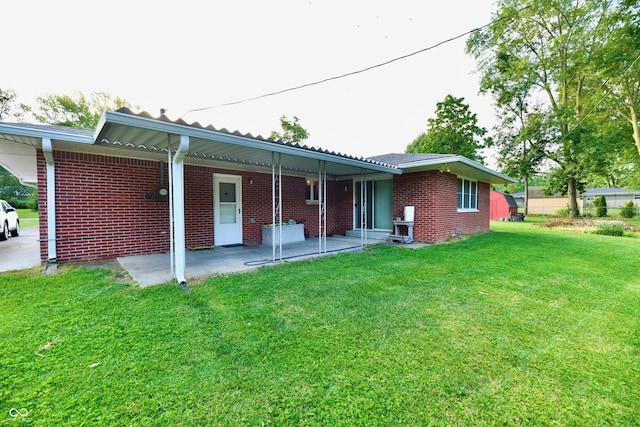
[
  {"x": 170, "y": 176},
  {"x": 363, "y": 208},
  {"x": 178, "y": 208},
  {"x": 322, "y": 207},
  {"x": 47, "y": 149},
  {"x": 276, "y": 205}
]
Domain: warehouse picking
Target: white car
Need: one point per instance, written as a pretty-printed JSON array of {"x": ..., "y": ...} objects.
[{"x": 9, "y": 221}]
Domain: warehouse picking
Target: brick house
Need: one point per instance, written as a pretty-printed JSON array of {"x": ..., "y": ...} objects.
[{"x": 143, "y": 185}]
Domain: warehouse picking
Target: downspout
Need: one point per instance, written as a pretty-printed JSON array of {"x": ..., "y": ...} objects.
[
  {"x": 178, "y": 209},
  {"x": 47, "y": 149},
  {"x": 170, "y": 177}
]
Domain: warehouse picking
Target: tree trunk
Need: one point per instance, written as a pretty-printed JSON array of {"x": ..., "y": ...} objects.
[
  {"x": 526, "y": 196},
  {"x": 636, "y": 128},
  {"x": 574, "y": 212}
]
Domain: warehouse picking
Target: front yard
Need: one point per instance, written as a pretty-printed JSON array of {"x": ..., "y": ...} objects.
[{"x": 522, "y": 326}]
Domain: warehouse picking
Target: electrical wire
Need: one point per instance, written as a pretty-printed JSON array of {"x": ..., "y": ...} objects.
[{"x": 364, "y": 70}]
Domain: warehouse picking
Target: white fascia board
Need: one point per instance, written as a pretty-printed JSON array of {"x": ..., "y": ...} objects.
[
  {"x": 178, "y": 129},
  {"x": 40, "y": 134},
  {"x": 454, "y": 159},
  {"x": 429, "y": 162}
]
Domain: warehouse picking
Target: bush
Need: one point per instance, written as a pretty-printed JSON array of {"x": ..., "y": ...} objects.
[
  {"x": 563, "y": 212},
  {"x": 628, "y": 210},
  {"x": 610, "y": 228},
  {"x": 600, "y": 203}
]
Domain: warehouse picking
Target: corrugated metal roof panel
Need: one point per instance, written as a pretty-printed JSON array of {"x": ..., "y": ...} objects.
[{"x": 140, "y": 131}]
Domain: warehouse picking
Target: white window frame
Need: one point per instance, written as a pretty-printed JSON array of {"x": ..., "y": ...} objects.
[
  {"x": 312, "y": 185},
  {"x": 467, "y": 200}
]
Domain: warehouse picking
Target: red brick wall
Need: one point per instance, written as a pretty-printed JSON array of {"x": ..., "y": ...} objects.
[
  {"x": 434, "y": 195},
  {"x": 101, "y": 209},
  {"x": 102, "y": 212},
  {"x": 344, "y": 206},
  {"x": 257, "y": 205}
]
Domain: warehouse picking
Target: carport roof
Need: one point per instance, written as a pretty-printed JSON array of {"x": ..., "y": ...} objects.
[
  {"x": 128, "y": 132},
  {"x": 19, "y": 141},
  {"x": 139, "y": 135}
]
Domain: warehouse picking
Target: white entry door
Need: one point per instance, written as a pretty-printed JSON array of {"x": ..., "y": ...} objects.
[{"x": 227, "y": 210}]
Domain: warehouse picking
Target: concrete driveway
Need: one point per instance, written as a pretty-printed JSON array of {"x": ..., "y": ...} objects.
[{"x": 22, "y": 252}]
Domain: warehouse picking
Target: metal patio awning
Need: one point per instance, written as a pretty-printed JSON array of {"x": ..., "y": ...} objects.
[{"x": 141, "y": 135}]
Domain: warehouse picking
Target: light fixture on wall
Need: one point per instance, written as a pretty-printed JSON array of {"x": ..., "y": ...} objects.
[
  {"x": 251, "y": 181},
  {"x": 346, "y": 187}
]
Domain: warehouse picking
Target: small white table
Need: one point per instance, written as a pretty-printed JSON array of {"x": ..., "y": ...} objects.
[{"x": 396, "y": 236}]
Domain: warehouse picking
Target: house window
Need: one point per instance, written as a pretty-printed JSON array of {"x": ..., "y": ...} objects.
[
  {"x": 467, "y": 195},
  {"x": 312, "y": 195}
]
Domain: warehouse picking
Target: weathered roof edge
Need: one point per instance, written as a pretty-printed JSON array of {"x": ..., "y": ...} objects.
[
  {"x": 195, "y": 128},
  {"x": 48, "y": 131},
  {"x": 441, "y": 159}
]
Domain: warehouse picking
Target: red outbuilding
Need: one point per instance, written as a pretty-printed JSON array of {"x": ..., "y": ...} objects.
[{"x": 503, "y": 206}]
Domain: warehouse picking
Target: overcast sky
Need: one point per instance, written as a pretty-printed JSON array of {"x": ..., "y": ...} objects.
[{"x": 193, "y": 54}]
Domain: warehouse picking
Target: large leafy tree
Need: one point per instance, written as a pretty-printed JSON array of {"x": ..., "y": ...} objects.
[
  {"x": 550, "y": 48},
  {"x": 292, "y": 131},
  {"x": 453, "y": 130},
  {"x": 8, "y": 105},
  {"x": 618, "y": 64},
  {"x": 520, "y": 139},
  {"x": 79, "y": 111}
]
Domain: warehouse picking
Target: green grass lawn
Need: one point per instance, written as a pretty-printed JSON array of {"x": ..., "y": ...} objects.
[
  {"x": 28, "y": 218},
  {"x": 522, "y": 326}
]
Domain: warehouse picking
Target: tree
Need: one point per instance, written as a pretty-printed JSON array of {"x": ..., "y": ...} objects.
[
  {"x": 521, "y": 139},
  {"x": 549, "y": 47},
  {"x": 600, "y": 203},
  {"x": 13, "y": 191},
  {"x": 454, "y": 130},
  {"x": 618, "y": 64},
  {"x": 81, "y": 111},
  {"x": 7, "y": 105},
  {"x": 292, "y": 131}
]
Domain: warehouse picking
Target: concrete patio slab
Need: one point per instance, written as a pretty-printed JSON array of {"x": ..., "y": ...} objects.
[{"x": 148, "y": 270}]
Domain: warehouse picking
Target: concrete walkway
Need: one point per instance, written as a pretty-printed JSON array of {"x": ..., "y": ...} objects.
[
  {"x": 22, "y": 252},
  {"x": 149, "y": 270}
]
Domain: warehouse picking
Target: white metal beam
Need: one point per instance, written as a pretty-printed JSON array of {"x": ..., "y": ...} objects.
[
  {"x": 47, "y": 149},
  {"x": 322, "y": 207},
  {"x": 276, "y": 206},
  {"x": 178, "y": 208}
]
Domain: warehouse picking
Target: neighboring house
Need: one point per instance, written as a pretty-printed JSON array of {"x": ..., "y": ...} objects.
[
  {"x": 615, "y": 197},
  {"x": 144, "y": 185},
  {"x": 541, "y": 204},
  {"x": 549, "y": 205},
  {"x": 503, "y": 206}
]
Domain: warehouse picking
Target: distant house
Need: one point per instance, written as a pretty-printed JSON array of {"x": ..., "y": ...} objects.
[
  {"x": 541, "y": 204},
  {"x": 548, "y": 205},
  {"x": 139, "y": 184},
  {"x": 503, "y": 206},
  {"x": 615, "y": 197}
]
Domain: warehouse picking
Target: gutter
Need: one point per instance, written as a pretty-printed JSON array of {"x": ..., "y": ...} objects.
[
  {"x": 178, "y": 209},
  {"x": 47, "y": 149}
]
